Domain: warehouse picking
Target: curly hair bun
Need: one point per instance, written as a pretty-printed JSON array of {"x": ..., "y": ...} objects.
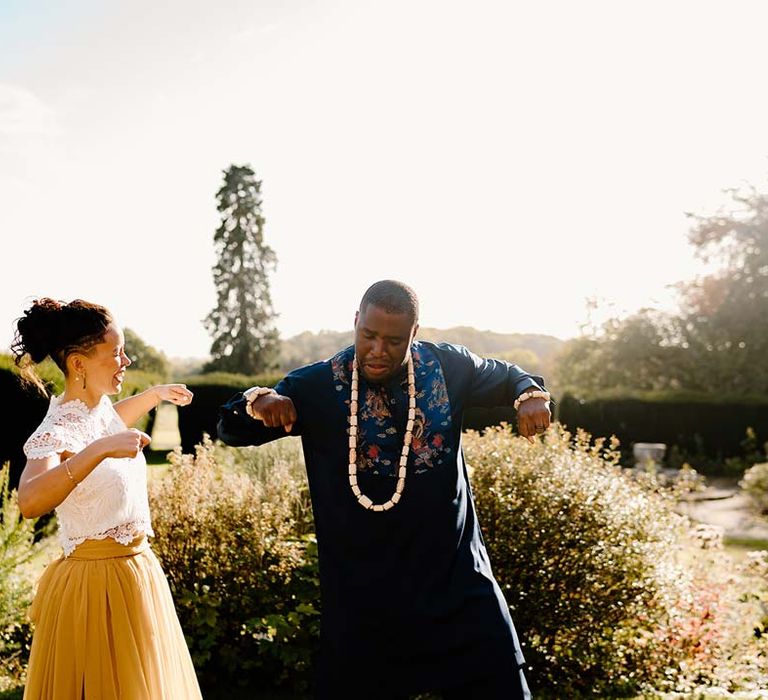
[
  {"x": 54, "y": 328},
  {"x": 38, "y": 330}
]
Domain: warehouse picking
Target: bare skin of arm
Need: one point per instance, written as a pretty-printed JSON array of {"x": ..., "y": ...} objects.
[{"x": 134, "y": 407}]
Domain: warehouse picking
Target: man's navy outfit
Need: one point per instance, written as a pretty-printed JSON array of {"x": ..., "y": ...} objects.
[{"x": 409, "y": 602}]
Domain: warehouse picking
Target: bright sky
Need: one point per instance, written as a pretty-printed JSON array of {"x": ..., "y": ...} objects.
[{"x": 507, "y": 159}]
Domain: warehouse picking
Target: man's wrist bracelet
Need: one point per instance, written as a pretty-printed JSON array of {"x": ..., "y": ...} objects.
[
  {"x": 252, "y": 394},
  {"x": 530, "y": 395}
]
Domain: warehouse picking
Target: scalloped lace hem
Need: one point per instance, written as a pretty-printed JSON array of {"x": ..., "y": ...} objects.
[{"x": 123, "y": 534}]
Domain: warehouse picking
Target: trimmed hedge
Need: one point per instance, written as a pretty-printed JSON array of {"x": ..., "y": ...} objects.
[
  {"x": 27, "y": 409},
  {"x": 699, "y": 424},
  {"x": 479, "y": 418},
  {"x": 211, "y": 391}
]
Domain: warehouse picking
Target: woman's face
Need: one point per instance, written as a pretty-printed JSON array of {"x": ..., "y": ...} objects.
[{"x": 104, "y": 366}]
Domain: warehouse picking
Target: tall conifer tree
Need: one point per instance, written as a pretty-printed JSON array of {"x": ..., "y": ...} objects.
[{"x": 242, "y": 324}]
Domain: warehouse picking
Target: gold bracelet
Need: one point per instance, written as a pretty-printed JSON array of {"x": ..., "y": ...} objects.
[{"x": 69, "y": 473}]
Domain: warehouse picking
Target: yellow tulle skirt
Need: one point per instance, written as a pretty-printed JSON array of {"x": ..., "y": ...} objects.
[{"x": 106, "y": 629}]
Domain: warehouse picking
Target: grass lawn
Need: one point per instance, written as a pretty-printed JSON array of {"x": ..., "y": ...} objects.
[
  {"x": 165, "y": 436},
  {"x": 165, "y": 433},
  {"x": 746, "y": 543},
  {"x": 738, "y": 547}
]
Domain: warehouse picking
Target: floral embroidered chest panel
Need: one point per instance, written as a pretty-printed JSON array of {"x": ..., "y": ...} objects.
[{"x": 383, "y": 410}]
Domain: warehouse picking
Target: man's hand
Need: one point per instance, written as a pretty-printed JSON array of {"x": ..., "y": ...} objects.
[
  {"x": 533, "y": 417},
  {"x": 273, "y": 410}
]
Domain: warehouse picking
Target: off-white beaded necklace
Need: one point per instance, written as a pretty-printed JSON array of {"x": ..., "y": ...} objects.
[{"x": 362, "y": 499}]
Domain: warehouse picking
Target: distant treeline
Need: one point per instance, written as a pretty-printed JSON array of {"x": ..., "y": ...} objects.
[{"x": 534, "y": 352}]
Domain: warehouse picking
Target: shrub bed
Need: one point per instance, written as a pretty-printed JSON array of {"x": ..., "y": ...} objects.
[
  {"x": 610, "y": 592},
  {"x": 591, "y": 564},
  {"x": 241, "y": 567}
]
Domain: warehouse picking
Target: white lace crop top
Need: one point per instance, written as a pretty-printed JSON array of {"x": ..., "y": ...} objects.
[{"x": 112, "y": 500}]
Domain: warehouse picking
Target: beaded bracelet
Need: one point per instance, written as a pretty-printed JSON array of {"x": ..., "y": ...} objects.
[
  {"x": 531, "y": 395},
  {"x": 252, "y": 394}
]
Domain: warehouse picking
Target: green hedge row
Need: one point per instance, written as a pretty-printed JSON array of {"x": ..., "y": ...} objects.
[
  {"x": 481, "y": 418},
  {"x": 709, "y": 425},
  {"x": 27, "y": 407},
  {"x": 211, "y": 391}
]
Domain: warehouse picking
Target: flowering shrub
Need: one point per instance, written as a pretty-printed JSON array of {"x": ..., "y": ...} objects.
[
  {"x": 593, "y": 567},
  {"x": 243, "y": 575},
  {"x": 16, "y": 550},
  {"x": 755, "y": 485},
  {"x": 282, "y": 458}
]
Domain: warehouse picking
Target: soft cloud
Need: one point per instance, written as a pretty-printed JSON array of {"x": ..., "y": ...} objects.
[
  {"x": 22, "y": 113},
  {"x": 250, "y": 33}
]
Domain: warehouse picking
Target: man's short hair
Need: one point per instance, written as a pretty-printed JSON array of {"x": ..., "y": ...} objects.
[{"x": 393, "y": 297}]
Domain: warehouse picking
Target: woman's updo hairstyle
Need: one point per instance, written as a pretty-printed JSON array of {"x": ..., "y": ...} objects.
[{"x": 54, "y": 329}]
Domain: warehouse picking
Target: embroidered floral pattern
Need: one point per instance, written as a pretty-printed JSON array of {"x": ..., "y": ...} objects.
[{"x": 379, "y": 440}]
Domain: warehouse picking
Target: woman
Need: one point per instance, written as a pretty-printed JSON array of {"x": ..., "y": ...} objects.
[{"x": 105, "y": 624}]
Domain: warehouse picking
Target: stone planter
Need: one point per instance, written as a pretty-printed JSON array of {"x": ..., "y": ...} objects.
[{"x": 649, "y": 455}]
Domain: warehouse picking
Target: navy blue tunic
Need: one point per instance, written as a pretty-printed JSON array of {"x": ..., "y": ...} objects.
[{"x": 407, "y": 593}]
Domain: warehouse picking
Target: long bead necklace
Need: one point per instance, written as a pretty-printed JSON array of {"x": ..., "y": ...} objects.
[{"x": 362, "y": 499}]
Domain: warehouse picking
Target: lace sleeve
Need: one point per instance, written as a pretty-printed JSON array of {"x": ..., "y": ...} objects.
[
  {"x": 64, "y": 428},
  {"x": 46, "y": 441}
]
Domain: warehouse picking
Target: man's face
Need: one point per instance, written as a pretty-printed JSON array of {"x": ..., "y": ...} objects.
[{"x": 382, "y": 341}]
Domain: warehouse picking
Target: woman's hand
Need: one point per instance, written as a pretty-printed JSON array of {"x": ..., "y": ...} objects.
[
  {"x": 175, "y": 393},
  {"x": 127, "y": 443}
]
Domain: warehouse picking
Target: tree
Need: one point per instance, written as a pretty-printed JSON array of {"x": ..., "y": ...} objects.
[
  {"x": 718, "y": 342},
  {"x": 144, "y": 357},
  {"x": 638, "y": 353},
  {"x": 724, "y": 313},
  {"x": 242, "y": 324}
]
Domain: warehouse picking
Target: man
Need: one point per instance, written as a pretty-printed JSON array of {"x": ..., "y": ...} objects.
[{"x": 409, "y": 603}]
